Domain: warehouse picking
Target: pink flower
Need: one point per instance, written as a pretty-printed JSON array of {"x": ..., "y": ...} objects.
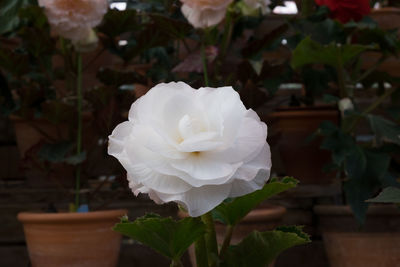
[
  {"x": 204, "y": 13},
  {"x": 74, "y": 19}
]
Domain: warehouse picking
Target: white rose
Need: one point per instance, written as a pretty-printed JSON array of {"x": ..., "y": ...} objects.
[
  {"x": 74, "y": 19},
  {"x": 204, "y": 13},
  {"x": 193, "y": 147}
]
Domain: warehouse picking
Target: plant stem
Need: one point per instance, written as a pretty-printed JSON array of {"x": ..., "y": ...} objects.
[
  {"x": 204, "y": 60},
  {"x": 210, "y": 238},
  {"x": 201, "y": 252},
  {"x": 79, "y": 131},
  {"x": 307, "y": 7},
  {"x": 176, "y": 263},
  {"x": 227, "y": 241},
  {"x": 341, "y": 77},
  {"x": 372, "y": 107}
]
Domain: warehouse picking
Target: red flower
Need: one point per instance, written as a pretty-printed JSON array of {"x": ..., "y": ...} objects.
[{"x": 346, "y": 10}]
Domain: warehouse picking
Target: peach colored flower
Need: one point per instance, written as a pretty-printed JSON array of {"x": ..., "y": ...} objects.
[
  {"x": 204, "y": 13},
  {"x": 74, "y": 19}
]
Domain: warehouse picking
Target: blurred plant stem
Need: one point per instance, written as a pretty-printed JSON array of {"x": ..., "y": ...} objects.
[
  {"x": 79, "y": 130},
  {"x": 210, "y": 239}
]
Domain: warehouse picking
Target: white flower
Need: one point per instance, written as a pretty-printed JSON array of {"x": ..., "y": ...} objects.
[
  {"x": 74, "y": 19},
  {"x": 344, "y": 105},
  {"x": 193, "y": 147},
  {"x": 204, "y": 13},
  {"x": 262, "y": 5}
]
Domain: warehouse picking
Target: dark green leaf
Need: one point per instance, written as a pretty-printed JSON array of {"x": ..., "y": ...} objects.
[
  {"x": 55, "y": 152},
  {"x": 169, "y": 237},
  {"x": 76, "y": 159},
  {"x": 361, "y": 185},
  {"x": 388, "y": 195},
  {"x": 9, "y": 14},
  {"x": 384, "y": 129},
  {"x": 311, "y": 52},
  {"x": 232, "y": 212},
  {"x": 260, "y": 249}
]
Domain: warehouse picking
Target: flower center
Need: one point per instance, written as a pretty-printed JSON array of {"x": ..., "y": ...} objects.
[{"x": 189, "y": 126}]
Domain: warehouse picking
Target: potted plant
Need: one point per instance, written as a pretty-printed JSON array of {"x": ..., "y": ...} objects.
[
  {"x": 73, "y": 237},
  {"x": 363, "y": 146}
]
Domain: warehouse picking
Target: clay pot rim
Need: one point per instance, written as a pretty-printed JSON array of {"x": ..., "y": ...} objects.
[
  {"x": 265, "y": 212},
  {"x": 62, "y": 217},
  {"x": 385, "y": 10},
  {"x": 345, "y": 210}
]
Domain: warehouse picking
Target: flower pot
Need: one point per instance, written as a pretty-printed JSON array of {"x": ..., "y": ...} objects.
[
  {"x": 72, "y": 239},
  {"x": 302, "y": 160},
  {"x": 376, "y": 244}
]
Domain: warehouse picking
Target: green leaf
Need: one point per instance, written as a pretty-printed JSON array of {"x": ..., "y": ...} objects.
[
  {"x": 388, "y": 195},
  {"x": 384, "y": 129},
  {"x": 311, "y": 52},
  {"x": 260, "y": 249},
  {"x": 232, "y": 212},
  {"x": 166, "y": 236},
  {"x": 364, "y": 179},
  {"x": 76, "y": 159},
  {"x": 55, "y": 152},
  {"x": 9, "y": 19}
]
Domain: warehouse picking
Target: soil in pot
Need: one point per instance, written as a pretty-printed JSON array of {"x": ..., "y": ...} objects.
[
  {"x": 72, "y": 239},
  {"x": 348, "y": 245}
]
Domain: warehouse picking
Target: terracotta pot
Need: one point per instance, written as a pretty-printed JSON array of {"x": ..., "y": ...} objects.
[
  {"x": 72, "y": 239},
  {"x": 264, "y": 218},
  {"x": 376, "y": 244},
  {"x": 300, "y": 159}
]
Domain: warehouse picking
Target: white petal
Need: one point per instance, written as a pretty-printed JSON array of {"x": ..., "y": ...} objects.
[
  {"x": 201, "y": 168},
  {"x": 201, "y": 200},
  {"x": 203, "y": 18},
  {"x": 241, "y": 188},
  {"x": 223, "y": 105},
  {"x": 118, "y": 137},
  {"x": 250, "y": 138},
  {"x": 200, "y": 142},
  {"x": 261, "y": 160}
]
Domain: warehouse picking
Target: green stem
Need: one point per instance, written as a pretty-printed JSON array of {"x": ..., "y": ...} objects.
[
  {"x": 201, "y": 252},
  {"x": 204, "y": 60},
  {"x": 176, "y": 263},
  {"x": 79, "y": 131},
  {"x": 210, "y": 238},
  {"x": 307, "y": 7},
  {"x": 372, "y": 107},
  {"x": 227, "y": 241},
  {"x": 341, "y": 77},
  {"x": 372, "y": 69}
]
